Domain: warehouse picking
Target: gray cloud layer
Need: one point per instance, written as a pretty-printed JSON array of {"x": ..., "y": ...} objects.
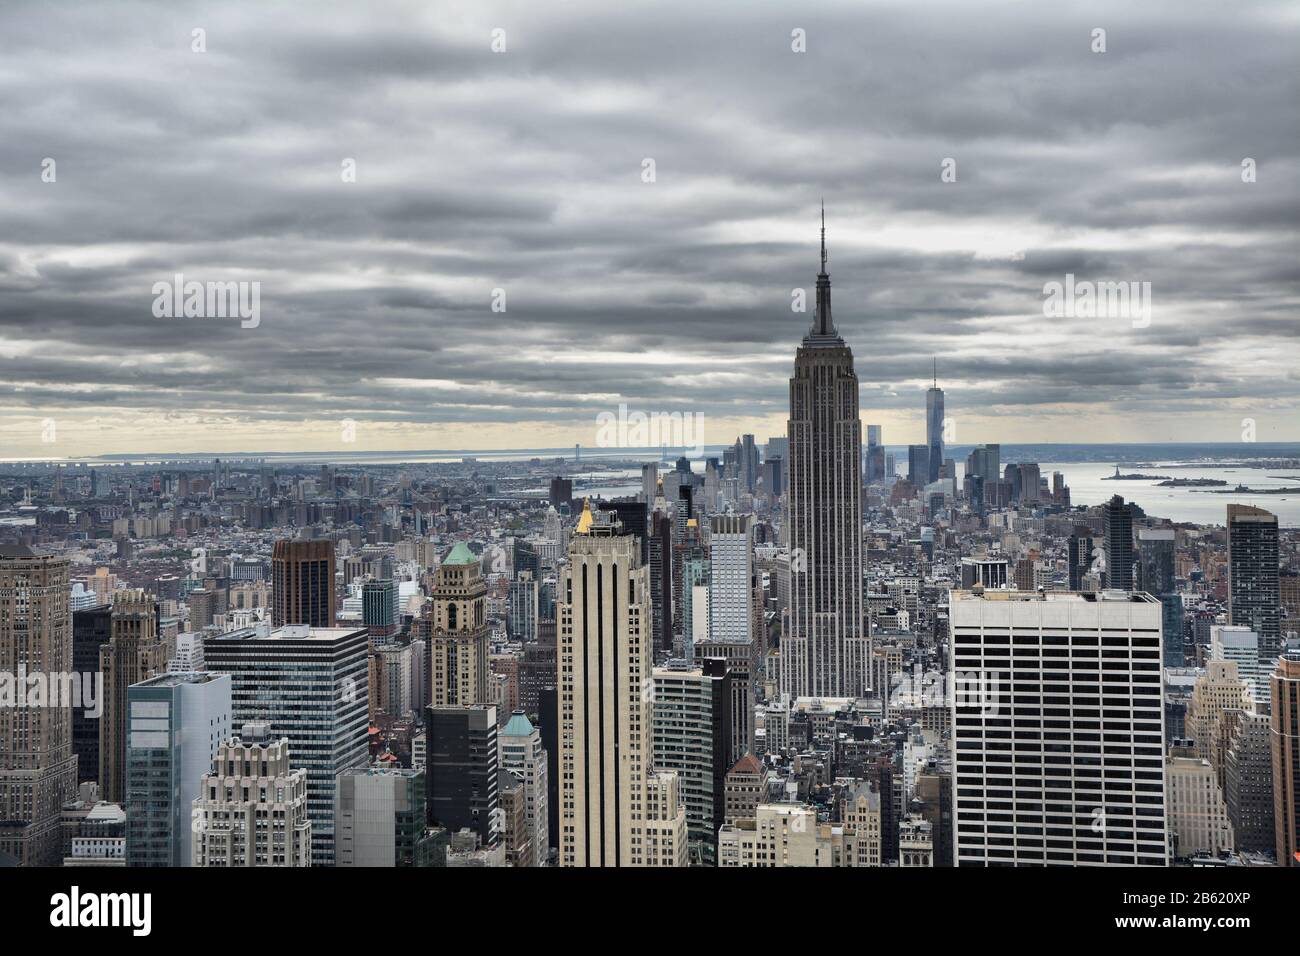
[{"x": 522, "y": 171}]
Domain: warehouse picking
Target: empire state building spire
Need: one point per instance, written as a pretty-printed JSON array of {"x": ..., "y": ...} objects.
[
  {"x": 823, "y": 328},
  {"x": 825, "y": 646}
]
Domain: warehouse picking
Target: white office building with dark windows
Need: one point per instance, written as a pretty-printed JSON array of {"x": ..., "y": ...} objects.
[{"x": 1058, "y": 729}]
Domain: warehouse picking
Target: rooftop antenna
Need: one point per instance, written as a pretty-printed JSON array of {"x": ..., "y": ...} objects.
[{"x": 823, "y": 235}]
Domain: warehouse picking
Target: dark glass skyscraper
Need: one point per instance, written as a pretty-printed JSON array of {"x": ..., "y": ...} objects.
[
  {"x": 934, "y": 427},
  {"x": 1253, "y": 597},
  {"x": 825, "y": 648},
  {"x": 1156, "y": 577},
  {"x": 1118, "y": 518}
]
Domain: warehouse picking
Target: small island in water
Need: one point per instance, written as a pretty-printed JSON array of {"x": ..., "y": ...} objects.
[
  {"x": 1134, "y": 477},
  {"x": 1193, "y": 483}
]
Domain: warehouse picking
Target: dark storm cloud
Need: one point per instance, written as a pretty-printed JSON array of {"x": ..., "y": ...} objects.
[{"x": 521, "y": 171}]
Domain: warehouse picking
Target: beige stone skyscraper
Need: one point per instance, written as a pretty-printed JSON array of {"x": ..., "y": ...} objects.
[
  {"x": 825, "y": 650},
  {"x": 38, "y": 771},
  {"x": 135, "y": 652},
  {"x": 458, "y": 644},
  {"x": 1218, "y": 690},
  {"x": 252, "y": 805},
  {"x": 614, "y": 809}
]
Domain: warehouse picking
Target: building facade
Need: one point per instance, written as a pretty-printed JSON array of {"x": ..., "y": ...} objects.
[
  {"x": 302, "y": 583},
  {"x": 824, "y": 651},
  {"x": 1058, "y": 719},
  {"x": 458, "y": 640},
  {"x": 251, "y": 809},
  {"x": 612, "y": 804},
  {"x": 177, "y": 722},
  {"x": 309, "y": 684},
  {"x": 38, "y": 769}
]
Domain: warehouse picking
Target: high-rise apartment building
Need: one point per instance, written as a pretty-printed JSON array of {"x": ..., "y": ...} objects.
[
  {"x": 177, "y": 722},
  {"x": 1253, "y": 593},
  {"x": 614, "y": 809},
  {"x": 1059, "y": 721},
  {"x": 458, "y": 642},
  {"x": 38, "y": 769},
  {"x": 302, "y": 583},
  {"x": 251, "y": 808},
  {"x": 309, "y": 684},
  {"x": 825, "y": 650}
]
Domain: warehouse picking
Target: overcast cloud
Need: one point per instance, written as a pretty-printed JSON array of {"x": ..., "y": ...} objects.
[{"x": 522, "y": 171}]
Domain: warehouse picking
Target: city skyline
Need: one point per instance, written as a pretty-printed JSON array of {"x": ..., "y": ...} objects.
[{"x": 526, "y": 174}]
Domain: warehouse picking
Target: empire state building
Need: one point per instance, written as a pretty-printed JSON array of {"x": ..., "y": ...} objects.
[{"x": 826, "y": 648}]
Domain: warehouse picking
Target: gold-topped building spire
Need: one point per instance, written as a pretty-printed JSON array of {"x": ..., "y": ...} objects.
[{"x": 587, "y": 520}]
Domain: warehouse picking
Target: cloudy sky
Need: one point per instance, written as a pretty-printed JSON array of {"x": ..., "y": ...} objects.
[{"x": 525, "y": 171}]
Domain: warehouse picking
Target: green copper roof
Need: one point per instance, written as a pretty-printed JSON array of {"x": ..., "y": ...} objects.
[
  {"x": 517, "y": 726},
  {"x": 461, "y": 554}
]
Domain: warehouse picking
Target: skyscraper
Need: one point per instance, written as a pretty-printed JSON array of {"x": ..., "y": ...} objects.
[
  {"x": 824, "y": 651},
  {"x": 649, "y": 483},
  {"x": 934, "y": 425},
  {"x": 875, "y": 456},
  {"x": 1118, "y": 518},
  {"x": 731, "y": 584},
  {"x": 1064, "y": 763},
  {"x": 748, "y": 463},
  {"x": 135, "y": 653},
  {"x": 463, "y": 766},
  {"x": 1285, "y": 734},
  {"x": 380, "y": 609},
  {"x": 38, "y": 771},
  {"x": 1156, "y": 577},
  {"x": 458, "y": 645},
  {"x": 693, "y": 736},
  {"x": 918, "y": 465},
  {"x": 177, "y": 723},
  {"x": 302, "y": 583},
  {"x": 1253, "y": 597},
  {"x": 521, "y": 752},
  {"x": 310, "y": 685},
  {"x": 252, "y": 805},
  {"x": 92, "y": 627},
  {"x": 614, "y": 809},
  {"x": 1080, "y": 556}
]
